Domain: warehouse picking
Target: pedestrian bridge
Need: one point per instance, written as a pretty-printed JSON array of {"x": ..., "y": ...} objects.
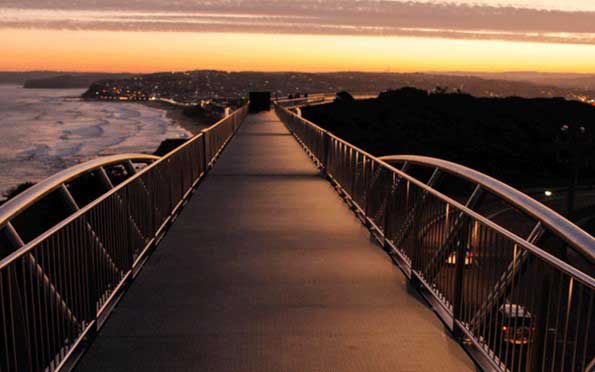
[{"x": 268, "y": 244}]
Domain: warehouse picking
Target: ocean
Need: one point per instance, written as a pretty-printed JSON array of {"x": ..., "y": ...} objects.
[{"x": 45, "y": 131}]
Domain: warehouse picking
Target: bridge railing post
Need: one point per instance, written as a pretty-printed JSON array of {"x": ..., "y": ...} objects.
[
  {"x": 535, "y": 357},
  {"x": 416, "y": 256},
  {"x": 461, "y": 255},
  {"x": 326, "y": 141},
  {"x": 387, "y": 216},
  {"x": 14, "y": 292},
  {"x": 205, "y": 161}
]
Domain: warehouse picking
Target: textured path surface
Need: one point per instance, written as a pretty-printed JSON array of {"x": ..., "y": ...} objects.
[{"x": 266, "y": 269}]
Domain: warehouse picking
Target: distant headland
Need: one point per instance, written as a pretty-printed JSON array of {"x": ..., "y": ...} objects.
[{"x": 57, "y": 79}]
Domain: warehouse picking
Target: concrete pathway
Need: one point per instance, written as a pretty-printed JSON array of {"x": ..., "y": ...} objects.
[{"x": 267, "y": 269}]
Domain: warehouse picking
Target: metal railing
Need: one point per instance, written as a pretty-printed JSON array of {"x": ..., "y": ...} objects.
[
  {"x": 304, "y": 101},
  {"x": 29, "y": 213},
  {"x": 58, "y": 289},
  {"x": 513, "y": 304},
  {"x": 317, "y": 99}
]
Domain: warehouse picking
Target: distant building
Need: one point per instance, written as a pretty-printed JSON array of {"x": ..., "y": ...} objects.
[{"x": 260, "y": 101}]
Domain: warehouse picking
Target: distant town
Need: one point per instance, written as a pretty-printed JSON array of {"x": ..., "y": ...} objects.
[
  {"x": 223, "y": 88},
  {"x": 196, "y": 86}
]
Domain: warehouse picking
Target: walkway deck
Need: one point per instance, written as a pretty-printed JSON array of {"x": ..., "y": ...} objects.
[{"x": 266, "y": 269}]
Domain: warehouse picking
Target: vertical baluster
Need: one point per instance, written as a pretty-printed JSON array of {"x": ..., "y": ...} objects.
[{"x": 461, "y": 254}]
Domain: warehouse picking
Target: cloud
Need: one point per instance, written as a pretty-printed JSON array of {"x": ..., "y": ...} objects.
[{"x": 334, "y": 17}]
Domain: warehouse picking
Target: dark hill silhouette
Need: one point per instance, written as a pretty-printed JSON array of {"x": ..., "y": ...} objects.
[{"x": 513, "y": 139}]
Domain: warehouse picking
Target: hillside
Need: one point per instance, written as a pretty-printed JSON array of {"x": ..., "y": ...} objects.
[
  {"x": 562, "y": 80},
  {"x": 513, "y": 139},
  {"x": 193, "y": 85}
]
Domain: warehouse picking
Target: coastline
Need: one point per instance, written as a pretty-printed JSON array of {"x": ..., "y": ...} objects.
[
  {"x": 173, "y": 113},
  {"x": 60, "y": 129},
  {"x": 177, "y": 117}
]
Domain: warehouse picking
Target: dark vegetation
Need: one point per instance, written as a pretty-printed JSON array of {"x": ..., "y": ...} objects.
[
  {"x": 519, "y": 141},
  {"x": 202, "y": 115},
  {"x": 168, "y": 145},
  {"x": 15, "y": 191}
]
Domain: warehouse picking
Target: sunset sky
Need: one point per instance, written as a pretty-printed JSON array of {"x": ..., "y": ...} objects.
[{"x": 274, "y": 35}]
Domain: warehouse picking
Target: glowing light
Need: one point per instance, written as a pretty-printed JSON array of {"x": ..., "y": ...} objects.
[{"x": 165, "y": 51}]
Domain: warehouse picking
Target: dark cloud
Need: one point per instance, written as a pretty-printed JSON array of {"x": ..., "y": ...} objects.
[{"x": 351, "y": 17}]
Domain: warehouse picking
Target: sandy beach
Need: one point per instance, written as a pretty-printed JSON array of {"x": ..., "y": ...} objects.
[
  {"x": 45, "y": 131},
  {"x": 177, "y": 117}
]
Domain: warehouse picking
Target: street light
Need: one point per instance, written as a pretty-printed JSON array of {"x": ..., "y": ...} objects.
[{"x": 573, "y": 140}]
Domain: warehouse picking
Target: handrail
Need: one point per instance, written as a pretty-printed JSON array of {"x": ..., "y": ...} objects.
[
  {"x": 545, "y": 256},
  {"x": 59, "y": 288},
  {"x": 478, "y": 275},
  {"x": 562, "y": 227},
  {"x": 384, "y": 161},
  {"x": 317, "y": 99},
  {"x": 23, "y": 250},
  {"x": 361, "y": 95},
  {"x": 33, "y": 194}
]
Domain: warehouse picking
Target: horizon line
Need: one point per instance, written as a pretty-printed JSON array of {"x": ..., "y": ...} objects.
[{"x": 429, "y": 72}]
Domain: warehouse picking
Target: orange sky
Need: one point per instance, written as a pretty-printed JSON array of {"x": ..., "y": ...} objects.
[
  {"x": 164, "y": 51},
  {"x": 306, "y": 35}
]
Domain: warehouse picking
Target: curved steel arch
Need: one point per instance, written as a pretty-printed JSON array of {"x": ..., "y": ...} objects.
[
  {"x": 27, "y": 198},
  {"x": 553, "y": 221}
]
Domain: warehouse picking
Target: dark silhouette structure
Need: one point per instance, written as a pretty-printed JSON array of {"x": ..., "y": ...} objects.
[{"x": 260, "y": 101}]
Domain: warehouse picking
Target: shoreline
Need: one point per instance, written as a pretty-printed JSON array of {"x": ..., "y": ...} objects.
[
  {"x": 176, "y": 115},
  {"x": 173, "y": 113},
  {"x": 174, "y": 118}
]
